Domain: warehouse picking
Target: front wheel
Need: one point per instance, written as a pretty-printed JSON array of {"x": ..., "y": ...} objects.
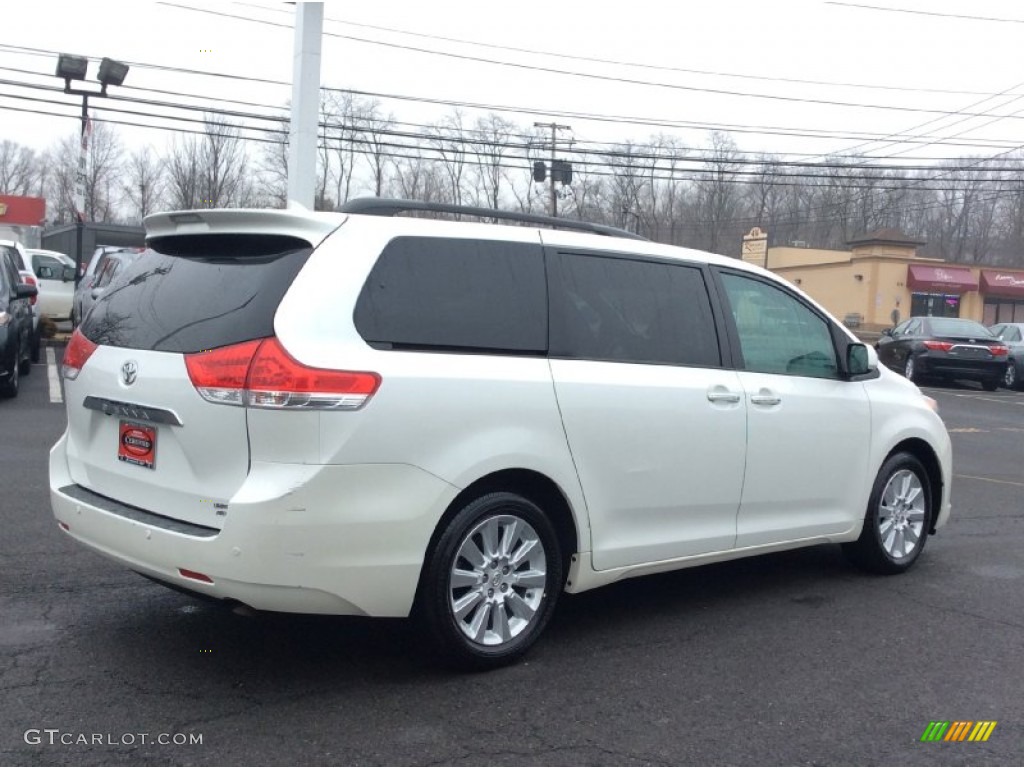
[
  {"x": 491, "y": 583},
  {"x": 897, "y": 518}
]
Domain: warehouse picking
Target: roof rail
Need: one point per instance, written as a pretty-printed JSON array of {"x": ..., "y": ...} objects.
[{"x": 383, "y": 206}]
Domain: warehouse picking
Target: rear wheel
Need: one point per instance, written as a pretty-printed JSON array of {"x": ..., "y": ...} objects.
[
  {"x": 491, "y": 583},
  {"x": 10, "y": 387},
  {"x": 37, "y": 345},
  {"x": 897, "y": 518},
  {"x": 910, "y": 370},
  {"x": 25, "y": 364},
  {"x": 1010, "y": 376}
]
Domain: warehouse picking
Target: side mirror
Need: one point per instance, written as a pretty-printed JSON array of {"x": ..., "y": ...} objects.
[
  {"x": 25, "y": 291},
  {"x": 887, "y": 332},
  {"x": 860, "y": 360},
  {"x": 69, "y": 274}
]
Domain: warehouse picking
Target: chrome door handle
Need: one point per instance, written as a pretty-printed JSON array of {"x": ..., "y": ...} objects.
[
  {"x": 723, "y": 397},
  {"x": 765, "y": 399}
]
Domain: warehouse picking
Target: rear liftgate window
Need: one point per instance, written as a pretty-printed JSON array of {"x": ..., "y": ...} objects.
[
  {"x": 456, "y": 295},
  {"x": 192, "y": 293}
]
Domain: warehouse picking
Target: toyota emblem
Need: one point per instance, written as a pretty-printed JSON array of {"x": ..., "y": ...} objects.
[{"x": 129, "y": 372}]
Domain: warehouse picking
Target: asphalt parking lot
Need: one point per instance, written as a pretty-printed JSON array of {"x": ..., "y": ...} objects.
[{"x": 787, "y": 659}]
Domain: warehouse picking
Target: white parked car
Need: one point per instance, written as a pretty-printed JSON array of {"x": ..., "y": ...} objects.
[
  {"x": 383, "y": 415},
  {"x": 56, "y": 273}
]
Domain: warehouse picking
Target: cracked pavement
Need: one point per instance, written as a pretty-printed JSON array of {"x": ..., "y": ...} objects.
[{"x": 791, "y": 659}]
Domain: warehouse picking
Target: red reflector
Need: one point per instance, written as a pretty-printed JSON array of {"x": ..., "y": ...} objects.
[
  {"x": 942, "y": 346},
  {"x": 29, "y": 280},
  {"x": 195, "y": 575},
  {"x": 77, "y": 352},
  {"x": 64, "y": 526}
]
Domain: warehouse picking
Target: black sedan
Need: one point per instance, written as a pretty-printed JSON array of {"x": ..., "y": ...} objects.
[
  {"x": 15, "y": 326},
  {"x": 944, "y": 348}
]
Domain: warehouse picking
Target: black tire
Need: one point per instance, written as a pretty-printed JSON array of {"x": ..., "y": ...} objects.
[
  {"x": 990, "y": 385},
  {"x": 1011, "y": 379},
  {"x": 436, "y": 594},
  {"x": 910, "y": 370},
  {"x": 37, "y": 346},
  {"x": 10, "y": 387},
  {"x": 25, "y": 365},
  {"x": 871, "y": 552}
]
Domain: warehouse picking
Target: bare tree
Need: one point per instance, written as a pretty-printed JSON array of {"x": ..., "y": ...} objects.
[
  {"x": 448, "y": 139},
  {"x": 209, "y": 170},
  {"x": 718, "y": 195},
  {"x": 143, "y": 185},
  {"x": 20, "y": 169},
  {"x": 494, "y": 134}
]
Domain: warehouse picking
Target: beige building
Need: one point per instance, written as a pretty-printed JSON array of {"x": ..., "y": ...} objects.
[{"x": 882, "y": 280}]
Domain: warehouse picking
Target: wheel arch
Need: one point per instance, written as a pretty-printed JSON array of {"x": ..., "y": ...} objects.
[
  {"x": 924, "y": 453},
  {"x": 533, "y": 485}
]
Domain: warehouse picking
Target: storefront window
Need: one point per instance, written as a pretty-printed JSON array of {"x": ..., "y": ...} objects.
[
  {"x": 934, "y": 305},
  {"x": 1003, "y": 311}
]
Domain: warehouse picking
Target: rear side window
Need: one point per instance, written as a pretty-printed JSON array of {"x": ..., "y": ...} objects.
[
  {"x": 193, "y": 294},
  {"x": 632, "y": 311},
  {"x": 456, "y": 295}
]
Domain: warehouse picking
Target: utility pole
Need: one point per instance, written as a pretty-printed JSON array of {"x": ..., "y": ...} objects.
[
  {"x": 302, "y": 132},
  {"x": 555, "y": 127}
]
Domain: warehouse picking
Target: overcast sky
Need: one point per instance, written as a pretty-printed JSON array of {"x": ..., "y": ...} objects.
[{"x": 642, "y": 59}]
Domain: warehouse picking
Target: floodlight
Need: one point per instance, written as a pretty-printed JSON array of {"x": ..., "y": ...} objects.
[
  {"x": 72, "y": 67},
  {"x": 112, "y": 72}
]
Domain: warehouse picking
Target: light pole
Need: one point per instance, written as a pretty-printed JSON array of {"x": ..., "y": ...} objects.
[{"x": 70, "y": 67}]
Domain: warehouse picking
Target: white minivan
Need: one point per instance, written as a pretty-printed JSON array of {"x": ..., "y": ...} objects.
[{"x": 373, "y": 414}]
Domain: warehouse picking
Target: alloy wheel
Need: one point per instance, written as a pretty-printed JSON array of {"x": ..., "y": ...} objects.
[
  {"x": 497, "y": 580},
  {"x": 901, "y": 514}
]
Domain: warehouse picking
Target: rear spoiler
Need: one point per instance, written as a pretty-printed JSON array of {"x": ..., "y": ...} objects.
[{"x": 311, "y": 227}]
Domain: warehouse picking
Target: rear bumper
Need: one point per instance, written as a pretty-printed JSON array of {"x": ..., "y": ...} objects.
[
  {"x": 935, "y": 365},
  {"x": 347, "y": 540}
]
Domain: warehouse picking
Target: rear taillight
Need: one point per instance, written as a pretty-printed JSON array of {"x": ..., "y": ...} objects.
[
  {"x": 1000, "y": 349},
  {"x": 29, "y": 280},
  {"x": 940, "y": 346},
  {"x": 219, "y": 374},
  {"x": 78, "y": 350},
  {"x": 261, "y": 374}
]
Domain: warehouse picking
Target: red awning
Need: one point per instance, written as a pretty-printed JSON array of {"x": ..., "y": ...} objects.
[
  {"x": 941, "y": 279},
  {"x": 1002, "y": 283}
]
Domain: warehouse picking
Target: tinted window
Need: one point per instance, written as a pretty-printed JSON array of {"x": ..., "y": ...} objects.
[
  {"x": 778, "y": 333},
  {"x": 188, "y": 303},
  {"x": 436, "y": 293},
  {"x": 1012, "y": 334},
  {"x": 627, "y": 310}
]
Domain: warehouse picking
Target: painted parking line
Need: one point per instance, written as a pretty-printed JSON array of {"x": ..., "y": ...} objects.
[
  {"x": 989, "y": 480},
  {"x": 53, "y": 376}
]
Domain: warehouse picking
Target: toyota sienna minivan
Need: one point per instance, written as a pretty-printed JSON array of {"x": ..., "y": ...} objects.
[{"x": 373, "y": 414}]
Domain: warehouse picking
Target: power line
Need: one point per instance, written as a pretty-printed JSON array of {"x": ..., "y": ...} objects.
[
  {"x": 924, "y": 13},
  {"x": 587, "y": 75},
  {"x": 614, "y": 62},
  {"x": 613, "y": 119}
]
